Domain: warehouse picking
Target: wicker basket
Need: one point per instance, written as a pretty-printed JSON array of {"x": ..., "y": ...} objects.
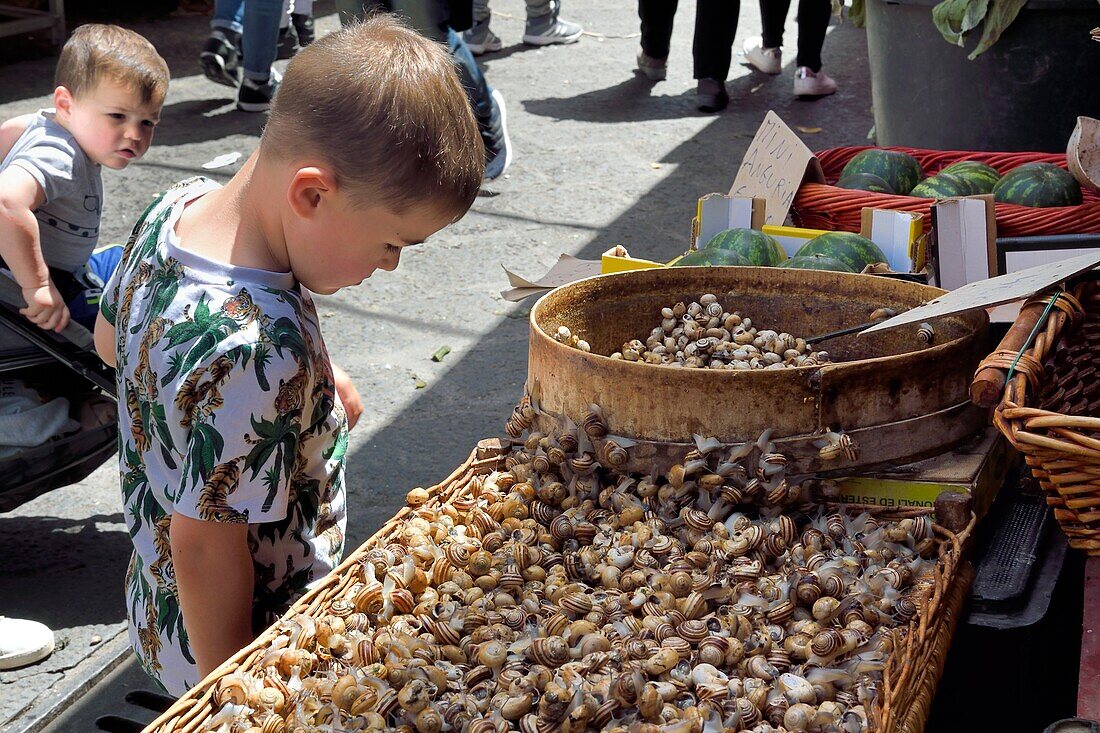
[
  {"x": 1050, "y": 410},
  {"x": 824, "y": 206},
  {"x": 903, "y": 702}
]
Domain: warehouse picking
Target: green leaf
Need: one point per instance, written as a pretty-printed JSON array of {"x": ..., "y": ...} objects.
[
  {"x": 956, "y": 18},
  {"x": 1000, "y": 16},
  {"x": 183, "y": 332},
  {"x": 202, "y": 310}
]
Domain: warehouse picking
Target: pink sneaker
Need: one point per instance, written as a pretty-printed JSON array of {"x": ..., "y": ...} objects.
[{"x": 810, "y": 84}]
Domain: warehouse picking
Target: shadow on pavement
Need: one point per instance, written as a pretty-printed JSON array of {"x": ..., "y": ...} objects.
[{"x": 64, "y": 572}]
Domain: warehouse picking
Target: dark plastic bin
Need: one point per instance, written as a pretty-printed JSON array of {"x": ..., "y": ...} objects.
[
  {"x": 1023, "y": 94},
  {"x": 1013, "y": 663}
]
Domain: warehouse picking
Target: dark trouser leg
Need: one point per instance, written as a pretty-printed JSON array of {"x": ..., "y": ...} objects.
[
  {"x": 813, "y": 20},
  {"x": 656, "y": 17},
  {"x": 715, "y": 27},
  {"x": 773, "y": 16}
]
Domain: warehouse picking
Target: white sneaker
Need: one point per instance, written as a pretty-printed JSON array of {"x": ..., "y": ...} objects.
[
  {"x": 23, "y": 642},
  {"x": 550, "y": 30},
  {"x": 809, "y": 84},
  {"x": 481, "y": 39},
  {"x": 768, "y": 60}
]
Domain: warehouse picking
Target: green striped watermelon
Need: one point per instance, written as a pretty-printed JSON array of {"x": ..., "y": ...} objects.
[
  {"x": 865, "y": 182},
  {"x": 755, "y": 246},
  {"x": 852, "y": 250},
  {"x": 1038, "y": 184},
  {"x": 817, "y": 262},
  {"x": 900, "y": 171},
  {"x": 943, "y": 185},
  {"x": 982, "y": 177},
  {"x": 711, "y": 258}
]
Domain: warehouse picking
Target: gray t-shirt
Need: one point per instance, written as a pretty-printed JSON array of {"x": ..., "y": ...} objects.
[{"x": 68, "y": 221}]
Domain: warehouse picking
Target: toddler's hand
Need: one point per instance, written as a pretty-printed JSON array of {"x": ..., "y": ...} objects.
[
  {"x": 349, "y": 396},
  {"x": 45, "y": 308}
]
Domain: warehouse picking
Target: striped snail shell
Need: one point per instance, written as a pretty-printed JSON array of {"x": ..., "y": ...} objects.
[
  {"x": 781, "y": 611},
  {"x": 556, "y": 624},
  {"x": 851, "y": 609},
  {"x": 613, "y": 454},
  {"x": 369, "y": 600},
  {"x": 698, "y": 520},
  {"x": 477, "y": 675},
  {"x": 713, "y": 650},
  {"x": 582, "y": 463},
  {"x": 604, "y": 714},
  {"x": 638, "y": 649},
  {"x": 541, "y": 463},
  {"x": 925, "y": 333},
  {"x": 594, "y": 423},
  {"x": 816, "y": 560},
  {"x": 556, "y": 455},
  {"x": 576, "y": 603},
  {"x": 444, "y": 633},
  {"x": 747, "y": 713},
  {"x": 905, "y": 609},
  {"x": 543, "y": 513},
  {"x": 779, "y": 658},
  {"x": 693, "y": 630},
  {"x": 680, "y": 645},
  {"x": 584, "y": 532},
  {"x": 442, "y": 570},
  {"x": 561, "y": 527},
  {"x": 786, "y": 528},
  {"x": 387, "y": 702},
  {"x": 550, "y": 651},
  {"x": 568, "y": 442},
  {"x": 342, "y": 608},
  {"x": 232, "y": 688},
  {"x": 807, "y": 589},
  {"x": 836, "y": 526},
  {"x": 826, "y": 643},
  {"x": 403, "y": 600}
]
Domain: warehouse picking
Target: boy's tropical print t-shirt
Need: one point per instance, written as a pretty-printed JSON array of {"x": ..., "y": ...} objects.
[{"x": 227, "y": 413}]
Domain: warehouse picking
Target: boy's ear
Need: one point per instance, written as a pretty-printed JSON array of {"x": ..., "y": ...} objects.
[
  {"x": 309, "y": 189},
  {"x": 63, "y": 101}
]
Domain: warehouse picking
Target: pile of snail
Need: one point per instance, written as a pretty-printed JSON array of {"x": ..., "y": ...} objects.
[
  {"x": 559, "y": 595},
  {"x": 704, "y": 335}
]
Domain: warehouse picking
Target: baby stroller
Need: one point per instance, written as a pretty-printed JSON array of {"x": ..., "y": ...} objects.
[{"x": 55, "y": 366}]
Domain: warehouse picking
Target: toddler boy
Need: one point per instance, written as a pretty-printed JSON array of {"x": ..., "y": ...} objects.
[
  {"x": 110, "y": 87},
  {"x": 232, "y": 417}
]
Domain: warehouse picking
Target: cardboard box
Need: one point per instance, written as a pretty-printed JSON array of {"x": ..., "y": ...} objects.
[{"x": 977, "y": 468}]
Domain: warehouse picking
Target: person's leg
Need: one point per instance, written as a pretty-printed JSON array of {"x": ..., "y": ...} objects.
[
  {"x": 488, "y": 106},
  {"x": 656, "y": 17},
  {"x": 479, "y": 37},
  {"x": 773, "y": 17},
  {"x": 288, "y": 34},
  {"x": 712, "y": 49},
  {"x": 261, "y": 40},
  {"x": 221, "y": 54},
  {"x": 764, "y": 52},
  {"x": 545, "y": 26},
  {"x": 302, "y": 18},
  {"x": 813, "y": 21}
]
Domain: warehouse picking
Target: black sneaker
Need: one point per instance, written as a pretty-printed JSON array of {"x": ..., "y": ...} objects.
[
  {"x": 288, "y": 43},
  {"x": 221, "y": 58},
  {"x": 304, "y": 25},
  {"x": 256, "y": 96}
]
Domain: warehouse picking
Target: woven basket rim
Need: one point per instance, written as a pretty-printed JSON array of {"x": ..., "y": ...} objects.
[{"x": 897, "y": 703}]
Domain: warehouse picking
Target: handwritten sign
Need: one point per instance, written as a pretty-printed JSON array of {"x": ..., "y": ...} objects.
[{"x": 774, "y": 167}]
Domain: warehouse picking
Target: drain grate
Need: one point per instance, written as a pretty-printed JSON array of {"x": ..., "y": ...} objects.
[{"x": 1005, "y": 570}]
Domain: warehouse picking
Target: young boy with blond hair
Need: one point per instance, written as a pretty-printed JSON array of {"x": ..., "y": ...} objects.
[
  {"x": 110, "y": 87},
  {"x": 232, "y": 418}
]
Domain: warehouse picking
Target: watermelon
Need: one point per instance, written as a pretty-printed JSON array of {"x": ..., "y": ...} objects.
[
  {"x": 817, "y": 262},
  {"x": 755, "y": 246},
  {"x": 900, "y": 171},
  {"x": 711, "y": 258},
  {"x": 850, "y": 249},
  {"x": 865, "y": 182},
  {"x": 941, "y": 186},
  {"x": 1038, "y": 184},
  {"x": 982, "y": 177}
]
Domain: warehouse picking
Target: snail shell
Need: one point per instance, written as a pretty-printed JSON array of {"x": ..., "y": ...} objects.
[
  {"x": 594, "y": 424},
  {"x": 799, "y": 717},
  {"x": 925, "y": 333},
  {"x": 747, "y": 713},
  {"x": 614, "y": 455},
  {"x": 428, "y": 721},
  {"x": 231, "y": 689},
  {"x": 693, "y": 631},
  {"x": 661, "y": 662},
  {"x": 551, "y": 651},
  {"x": 826, "y": 643}
]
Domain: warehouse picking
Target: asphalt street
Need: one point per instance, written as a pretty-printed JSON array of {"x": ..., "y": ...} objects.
[{"x": 602, "y": 157}]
